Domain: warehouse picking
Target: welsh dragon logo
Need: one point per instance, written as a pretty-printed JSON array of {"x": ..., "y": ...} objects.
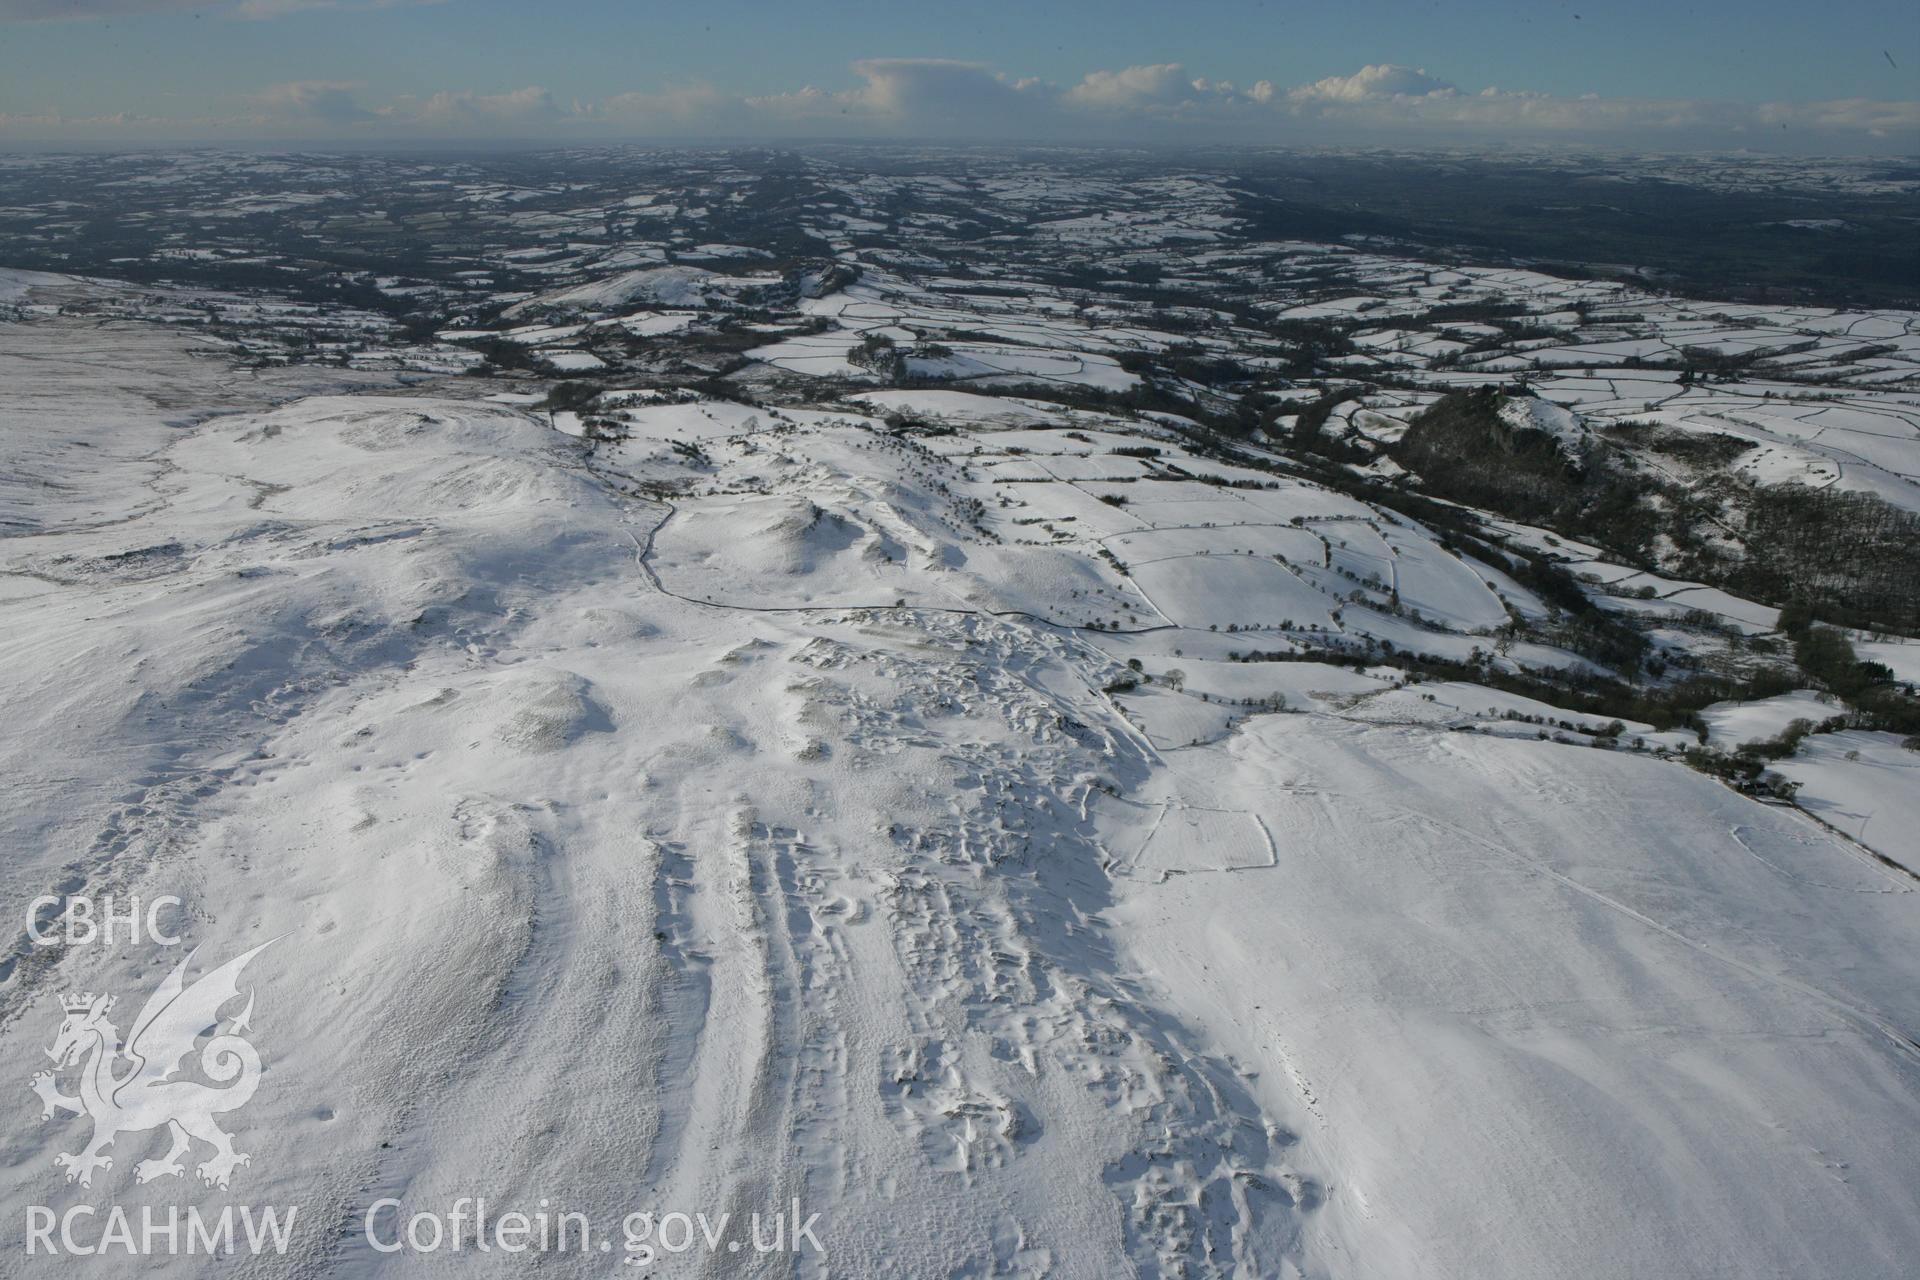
[{"x": 145, "y": 1095}]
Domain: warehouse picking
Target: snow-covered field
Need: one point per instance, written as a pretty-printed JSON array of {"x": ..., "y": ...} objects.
[
  {"x": 711, "y": 828},
  {"x": 919, "y": 689}
]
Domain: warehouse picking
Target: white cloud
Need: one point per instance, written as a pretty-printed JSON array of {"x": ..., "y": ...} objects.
[
  {"x": 309, "y": 105},
  {"x": 1384, "y": 80},
  {"x": 326, "y": 101},
  {"x": 926, "y": 96},
  {"x": 1399, "y": 100},
  {"x": 932, "y": 97},
  {"x": 1900, "y": 120},
  {"x": 922, "y": 88},
  {"x": 467, "y": 110},
  {"x": 41, "y": 121},
  {"x": 1160, "y": 84},
  {"x": 680, "y": 105}
]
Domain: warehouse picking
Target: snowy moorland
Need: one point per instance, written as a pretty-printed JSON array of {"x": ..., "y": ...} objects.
[{"x": 1052, "y": 779}]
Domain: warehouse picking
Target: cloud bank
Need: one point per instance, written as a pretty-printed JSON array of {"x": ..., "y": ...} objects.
[{"x": 940, "y": 98}]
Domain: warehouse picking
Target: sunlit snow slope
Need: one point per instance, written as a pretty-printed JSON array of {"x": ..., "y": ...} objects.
[{"x": 592, "y": 888}]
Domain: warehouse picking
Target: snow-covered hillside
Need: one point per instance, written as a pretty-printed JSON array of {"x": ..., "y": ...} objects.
[{"x": 759, "y": 803}]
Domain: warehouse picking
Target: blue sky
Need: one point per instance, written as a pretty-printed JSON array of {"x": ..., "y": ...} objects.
[{"x": 1699, "y": 74}]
